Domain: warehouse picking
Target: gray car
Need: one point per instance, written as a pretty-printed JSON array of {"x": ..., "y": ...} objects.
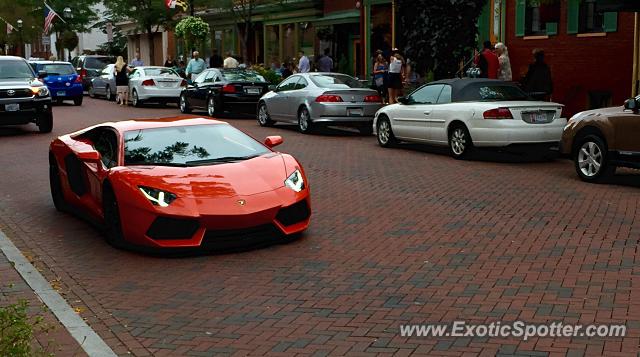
[
  {"x": 316, "y": 99},
  {"x": 104, "y": 85}
]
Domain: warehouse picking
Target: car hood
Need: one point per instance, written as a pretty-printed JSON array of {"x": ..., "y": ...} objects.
[
  {"x": 14, "y": 83},
  {"x": 599, "y": 112},
  {"x": 244, "y": 178}
]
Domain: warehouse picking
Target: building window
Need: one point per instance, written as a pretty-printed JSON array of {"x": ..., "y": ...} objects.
[
  {"x": 541, "y": 17},
  {"x": 589, "y": 19}
]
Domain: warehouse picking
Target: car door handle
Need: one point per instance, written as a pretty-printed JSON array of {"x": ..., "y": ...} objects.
[{"x": 427, "y": 112}]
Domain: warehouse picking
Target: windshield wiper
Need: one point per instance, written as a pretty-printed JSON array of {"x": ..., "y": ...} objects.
[
  {"x": 172, "y": 164},
  {"x": 220, "y": 160}
]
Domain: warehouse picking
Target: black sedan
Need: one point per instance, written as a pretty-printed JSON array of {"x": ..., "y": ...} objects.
[{"x": 224, "y": 90}]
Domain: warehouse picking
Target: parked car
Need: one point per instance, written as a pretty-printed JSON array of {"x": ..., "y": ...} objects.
[
  {"x": 313, "y": 99},
  {"x": 601, "y": 140},
  {"x": 180, "y": 183},
  {"x": 23, "y": 98},
  {"x": 62, "y": 80},
  {"x": 155, "y": 84},
  {"x": 224, "y": 90},
  {"x": 104, "y": 85},
  {"x": 89, "y": 67},
  {"x": 471, "y": 112}
]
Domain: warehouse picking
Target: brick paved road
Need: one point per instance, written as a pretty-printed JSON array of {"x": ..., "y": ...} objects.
[{"x": 398, "y": 236}]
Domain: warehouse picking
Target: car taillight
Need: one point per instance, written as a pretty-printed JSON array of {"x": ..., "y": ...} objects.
[
  {"x": 78, "y": 79},
  {"x": 148, "y": 82},
  {"x": 373, "y": 99},
  {"x": 229, "y": 88},
  {"x": 498, "y": 113},
  {"x": 183, "y": 83},
  {"x": 328, "y": 98},
  {"x": 83, "y": 73}
]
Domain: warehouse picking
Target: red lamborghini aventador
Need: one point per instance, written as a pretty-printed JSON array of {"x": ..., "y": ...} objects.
[{"x": 180, "y": 182}]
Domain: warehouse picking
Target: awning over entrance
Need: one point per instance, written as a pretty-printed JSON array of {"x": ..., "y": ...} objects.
[{"x": 618, "y": 5}]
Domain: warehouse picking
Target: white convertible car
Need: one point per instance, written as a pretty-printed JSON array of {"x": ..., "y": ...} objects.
[{"x": 467, "y": 113}]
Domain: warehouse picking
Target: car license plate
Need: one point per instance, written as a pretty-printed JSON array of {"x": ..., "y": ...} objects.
[
  {"x": 253, "y": 90},
  {"x": 355, "y": 112},
  {"x": 538, "y": 118},
  {"x": 14, "y": 107},
  {"x": 61, "y": 93}
]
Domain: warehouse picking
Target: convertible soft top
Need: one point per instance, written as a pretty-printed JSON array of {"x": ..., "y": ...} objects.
[{"x": 466, "y": 89}]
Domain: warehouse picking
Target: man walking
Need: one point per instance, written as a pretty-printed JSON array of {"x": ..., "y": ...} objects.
[
  {"x": 230, "y": 62},
  {"x": 137, "y": 62},
  {"x": 196, "y": 66},
  {"x": 303, "y": 64},
  {"x": 215, "y": 61},
  {"x": 325, "y": 63}
]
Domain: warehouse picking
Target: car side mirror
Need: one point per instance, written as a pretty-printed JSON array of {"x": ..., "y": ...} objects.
[
  {"x": 273, "y": 141},
  {"x": 403, "y": 100},
  {"x": 272, "y": 87},
  {"x": 42, "y": 74},
  {"x": 89, "y": 156},
  {"x": 631, "y": 104}
]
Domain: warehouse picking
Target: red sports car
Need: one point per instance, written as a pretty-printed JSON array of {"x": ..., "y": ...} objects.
[{"x": 180, "y": 182}]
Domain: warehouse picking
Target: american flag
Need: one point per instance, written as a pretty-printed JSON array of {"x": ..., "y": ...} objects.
[{"x": 49, "y": 16}]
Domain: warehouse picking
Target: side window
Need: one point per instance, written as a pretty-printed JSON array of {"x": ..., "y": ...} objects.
[
  {"x": 210, "y": 77},
  {"x": 106, "y": 143},
  {"x": 445, "y": 95},
  {"x": 288, "y": 84},
  {"x": 426, "y": 95},
  {"x": 203, "y": 77},
  {"x": 134, "y": 74},
  {"x": 302, "y": 83}
]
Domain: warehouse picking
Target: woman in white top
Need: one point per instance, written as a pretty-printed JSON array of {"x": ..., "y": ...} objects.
[
  {"x": 396, "y": 72},
  {"x": 504, "y": 73}
]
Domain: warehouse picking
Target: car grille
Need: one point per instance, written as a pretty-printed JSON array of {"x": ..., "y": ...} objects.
[
  {"x": 172, "y": 228},
  {"x": 539, "y": 116},
  {"x": 240, "y": 238},
  {"x": 17, "y": 93},
  {"x": 293, "y": 214}
]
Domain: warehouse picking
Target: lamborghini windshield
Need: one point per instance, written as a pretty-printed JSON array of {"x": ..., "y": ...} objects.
[{"x": 190, "y": 145}]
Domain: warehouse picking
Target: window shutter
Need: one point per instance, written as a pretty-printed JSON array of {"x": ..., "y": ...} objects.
[
  {"x": 610, "y": 22},
  {"x": 552, "y": 28},
  {"x": 521, "y": 9},
  {"x": 573, "y": 14}
]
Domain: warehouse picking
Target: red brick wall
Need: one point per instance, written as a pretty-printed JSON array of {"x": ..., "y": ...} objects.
[
  {"x": 578, "y": 65},
  {"x": 339, "y": 5}
]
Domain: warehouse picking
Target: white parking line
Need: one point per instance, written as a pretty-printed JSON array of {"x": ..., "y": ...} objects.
[{"x": 88, "y": 339}]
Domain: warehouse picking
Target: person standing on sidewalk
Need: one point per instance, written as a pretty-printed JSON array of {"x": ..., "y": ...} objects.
[
  {"x": 488, "y": 62},
  {"x": 215, "y": 61},
  {"x": 230, "y": 61},
  {"x": 325, "y": 63},
  {"x": 504, "y": 73},
  {"x": 121, "y": 71},
  {"x": 537, "y": 83},
  {"x": 396, "y": 74},
  {"x": 196, "y": 66},
  {"x": 304, "y": 66},
  {"x": 380, "y": 69}
]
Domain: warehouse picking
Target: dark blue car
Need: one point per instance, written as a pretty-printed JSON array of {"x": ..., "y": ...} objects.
[{"x": 62, "y": 80}]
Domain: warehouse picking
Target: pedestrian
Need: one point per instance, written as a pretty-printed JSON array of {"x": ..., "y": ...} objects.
[
  {"x": 230, "y": 61},
  {"x": 396, "y": 74},
  {"x": 182, "y": 67},
  {"x": 504, "y": 73},
  {"x": 170, "y": 63},
  {"x": 380, "y": 68},
  {"x": 538, "y": 81},
  {"x": 488, "y": 62},
  {"x": 137, "y": 62},
  {"x": 304, "y": 66},
  {"x": 121, "y": 71},
  {"x": 196, "y": 66},
  {"x": 215, "y": 61},
  {"x": 288, "y": 70},
  {"x": 325, "y": 63}
]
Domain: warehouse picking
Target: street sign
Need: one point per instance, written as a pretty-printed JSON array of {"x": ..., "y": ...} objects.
[{"x": 46, "y": 40}]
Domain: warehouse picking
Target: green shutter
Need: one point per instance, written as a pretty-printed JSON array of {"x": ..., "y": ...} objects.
[
  {"x": 521, "y": 9},
  {"x": 573, "y": 14},
  {"x": 610, "y": 22}
]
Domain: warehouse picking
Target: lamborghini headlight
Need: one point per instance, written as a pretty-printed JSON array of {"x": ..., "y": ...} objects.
[
  {"x": 157, "y": 197},
  {"x": 40, "y": 91},
  {"x": 295, "y": 181}
]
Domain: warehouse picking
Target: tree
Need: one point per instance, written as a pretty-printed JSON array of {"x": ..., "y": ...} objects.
[
  {"x": 149, "y": 16},
  {"x": 69, "y": 41},
  {"x": 193, "y": 30},
  {"x": 439, "y": 33},
  {"x": 82, "y": 18}
]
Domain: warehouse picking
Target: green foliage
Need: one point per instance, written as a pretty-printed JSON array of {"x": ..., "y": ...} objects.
[
  {"x": 118, "y": 45},
  {"x": 193, "y": 30},
  {"x": 437, "y": 34},
  {"x": 269, "y": 75},
  {"x": 69, "y": 40},
  {"x": 17, "y": 331}
]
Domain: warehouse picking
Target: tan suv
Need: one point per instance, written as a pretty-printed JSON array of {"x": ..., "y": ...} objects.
[{"x": 601, "y": 140}]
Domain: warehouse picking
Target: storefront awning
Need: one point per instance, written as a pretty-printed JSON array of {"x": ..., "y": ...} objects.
[{"x": 337, "y": 18}]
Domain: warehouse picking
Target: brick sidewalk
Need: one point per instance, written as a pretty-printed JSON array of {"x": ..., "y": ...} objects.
[{"x": 14, "y": 289}]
